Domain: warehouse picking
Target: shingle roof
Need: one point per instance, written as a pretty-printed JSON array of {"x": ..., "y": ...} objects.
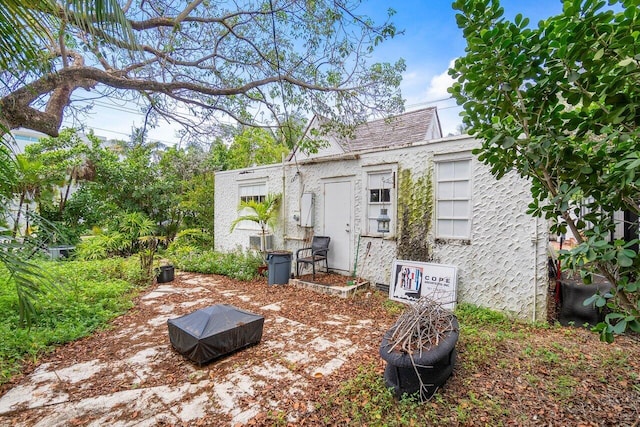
[{"x": 407, "y": 128}]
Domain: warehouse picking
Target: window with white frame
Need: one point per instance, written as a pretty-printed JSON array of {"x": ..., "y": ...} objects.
[
  {"x": 255, "y": 191},
  {"x": 379, "y": 192},
  {"x": 453, "y": 199}
]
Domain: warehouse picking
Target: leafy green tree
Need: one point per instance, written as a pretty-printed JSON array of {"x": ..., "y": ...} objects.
[
  {"x": 186, "y": 171},
  {"x": 131, "y": 183},
  {"x": 559, "y": 104},
  {"x": 28, "y": 185},
  {"x": 255, "y": 146},
  {"x": 197, "y": 203},
  {"x": 166, "y": 184},
  {"x": 214, "y": 60},
  {"x": 25, "y": 29},
  {"x": 67, "y": 161},
  {"x": 219, "y": 155},
  {"x": 85, "y": 210}
]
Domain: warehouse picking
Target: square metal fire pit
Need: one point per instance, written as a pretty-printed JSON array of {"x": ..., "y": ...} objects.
[{"x": 209, "y": 333}]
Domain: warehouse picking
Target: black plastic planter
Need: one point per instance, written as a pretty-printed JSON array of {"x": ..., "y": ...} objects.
[
  {"x": 166, "y": 274},
  {"x": 572, "y": 309},
  {"x": 433, "y": 367}
]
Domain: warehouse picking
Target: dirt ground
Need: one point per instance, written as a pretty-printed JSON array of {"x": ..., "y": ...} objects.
[
  {"x": 312, "y": 343},
  {"x": 131, "y": 375}
]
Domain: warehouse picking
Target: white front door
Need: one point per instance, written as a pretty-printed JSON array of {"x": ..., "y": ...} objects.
[{"x": 338, "y": 223}]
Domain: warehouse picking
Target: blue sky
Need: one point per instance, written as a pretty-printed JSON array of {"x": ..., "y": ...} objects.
[{"x": 431, "y": 40}]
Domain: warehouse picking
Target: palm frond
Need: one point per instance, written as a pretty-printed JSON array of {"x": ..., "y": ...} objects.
[
  {"x": 262, "y": 213},
  {"x": 29, "y": 279},
  {"x": 25, "y": 28},
  {"x": 22, "y": 31},
  {"x": 7, "y": 170},
  {"x": 106, "y": 15}
]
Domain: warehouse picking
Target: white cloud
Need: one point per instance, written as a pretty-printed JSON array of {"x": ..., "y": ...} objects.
[{"x": 439, "y": 84}]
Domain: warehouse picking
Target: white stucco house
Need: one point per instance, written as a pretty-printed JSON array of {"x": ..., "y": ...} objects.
[{"x": 444, "y": 205}]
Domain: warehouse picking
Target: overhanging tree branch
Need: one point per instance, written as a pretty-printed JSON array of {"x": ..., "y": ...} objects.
[{"x": 214, "y": 56}]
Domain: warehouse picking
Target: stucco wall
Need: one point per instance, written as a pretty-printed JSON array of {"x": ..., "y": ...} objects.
[{"x": 503, "y": 266}]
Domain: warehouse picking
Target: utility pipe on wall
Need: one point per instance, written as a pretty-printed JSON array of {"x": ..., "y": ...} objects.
[
  {"x": 534, "y": 239},
  {"x": 283, "y": 204}
]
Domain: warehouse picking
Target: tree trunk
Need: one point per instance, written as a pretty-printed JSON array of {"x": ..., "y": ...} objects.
[
  {"x": 63, "y": 199},
  {"x": 26, "y": 217},
  {"x": 16, "y": 224}
]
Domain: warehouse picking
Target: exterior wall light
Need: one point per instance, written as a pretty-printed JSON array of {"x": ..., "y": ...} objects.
[{"x": 383, "y": 221}]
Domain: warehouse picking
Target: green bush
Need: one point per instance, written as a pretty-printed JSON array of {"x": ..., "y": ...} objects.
[
  {"x": 84, "y": 297},
  {"x": 95, "y": 247},
  {"x": 190, "y": 238},
  {"x": 237, "y": 264}
]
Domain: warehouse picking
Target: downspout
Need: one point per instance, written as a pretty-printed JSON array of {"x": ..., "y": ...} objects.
[
  {"x": 535, "y": 271},
  {"x": 284, "y": 205}
]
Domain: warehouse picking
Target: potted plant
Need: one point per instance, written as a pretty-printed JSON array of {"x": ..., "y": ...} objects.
[
  {"x": 263, "y": 213},
  {"x": 420, "y": 349}
]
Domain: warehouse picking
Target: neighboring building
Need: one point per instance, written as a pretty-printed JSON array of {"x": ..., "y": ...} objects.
[
  {"x": 20, "y": 138},
  {"x": 444, "y": 206}
]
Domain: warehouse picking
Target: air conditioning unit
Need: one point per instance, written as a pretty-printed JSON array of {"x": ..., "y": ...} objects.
[
  {"x": 58, "y": 252},
  {"x": 255, "y": 242}
]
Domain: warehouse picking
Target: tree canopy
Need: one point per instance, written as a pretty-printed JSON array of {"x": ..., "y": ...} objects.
[
  {"x": 560, "y": 104},
  {"x": 194, "y": 63}
]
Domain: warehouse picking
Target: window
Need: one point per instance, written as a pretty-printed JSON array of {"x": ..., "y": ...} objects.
[
  {"x": 453, "y": 199},
  {"x": 256, "y": 191},
  {"x": 380, "y": 185}
]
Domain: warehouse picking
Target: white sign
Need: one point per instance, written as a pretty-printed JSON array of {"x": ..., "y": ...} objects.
[{"x": 411, "y": 280}]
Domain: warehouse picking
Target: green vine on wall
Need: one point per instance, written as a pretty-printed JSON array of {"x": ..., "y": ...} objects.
[{"x": 415, "y": 209}]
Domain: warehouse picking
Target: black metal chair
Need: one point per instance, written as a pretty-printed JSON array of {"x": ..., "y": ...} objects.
[{"x": 316, "y": 253}]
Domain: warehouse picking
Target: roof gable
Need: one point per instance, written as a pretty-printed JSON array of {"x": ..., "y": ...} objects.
[{"x": 405, "y": 129}]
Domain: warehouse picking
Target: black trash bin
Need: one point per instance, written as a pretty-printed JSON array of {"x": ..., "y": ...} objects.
[{"x": 279, "y": 263}]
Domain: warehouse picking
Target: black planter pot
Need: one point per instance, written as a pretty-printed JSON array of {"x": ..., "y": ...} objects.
[
  {"x": 166, "y": 274},
  {"x": 572, "y": 309},
  {"x": 433, "y": 367}
]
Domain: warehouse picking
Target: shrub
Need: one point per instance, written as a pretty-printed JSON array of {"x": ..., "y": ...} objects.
[
  {"x": 86, "y": 297},
  {"x": 190, "y": 238},
  {"x": 236, "y": 264}
]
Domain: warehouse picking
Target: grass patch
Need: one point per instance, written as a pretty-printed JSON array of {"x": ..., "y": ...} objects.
[
  {"x": 393, "y": 308},
  {"x": 84, "y": 297},
  {"x": 473, "y": 315},
  {"x": 507, "y": 372},
  {"x": 364, "y": 400},
  {"x": 481, "y": 332},
  {"x": 563, "y": 386}
]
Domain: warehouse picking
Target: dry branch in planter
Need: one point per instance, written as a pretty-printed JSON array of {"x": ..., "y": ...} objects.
[{"x": 421, "y": 326}]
